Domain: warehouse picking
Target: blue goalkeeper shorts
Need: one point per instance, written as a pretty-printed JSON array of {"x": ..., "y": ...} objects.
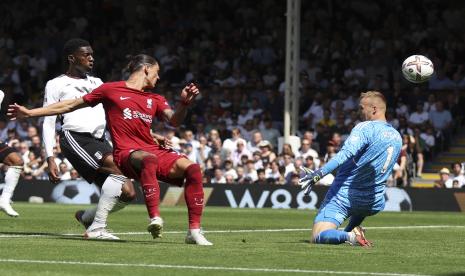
[{"x": 335, "y": 211}]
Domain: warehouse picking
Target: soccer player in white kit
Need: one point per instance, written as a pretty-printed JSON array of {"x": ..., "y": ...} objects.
[
  {"x": 10, "y": 157},
  {"x": 82, "y": 140}
]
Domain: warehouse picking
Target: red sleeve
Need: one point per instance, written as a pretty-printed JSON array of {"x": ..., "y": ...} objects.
[
  {"x": 96, "y": 96},
  {"x": 161, "y": 104}
]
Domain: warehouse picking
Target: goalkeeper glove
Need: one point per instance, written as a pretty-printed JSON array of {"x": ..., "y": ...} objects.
[{"x": 308, "y": 178}]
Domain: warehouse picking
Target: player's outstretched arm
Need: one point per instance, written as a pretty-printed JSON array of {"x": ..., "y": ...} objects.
[
  {"x": 16, "y": 111},
  {"x": 188, "y": 95}
]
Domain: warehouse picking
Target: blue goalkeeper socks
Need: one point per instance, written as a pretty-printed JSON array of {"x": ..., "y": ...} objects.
[{"x": 332, "y": 236}]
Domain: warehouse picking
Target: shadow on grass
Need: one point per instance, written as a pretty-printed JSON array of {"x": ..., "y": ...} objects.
[{"x": 78, "y": 237}]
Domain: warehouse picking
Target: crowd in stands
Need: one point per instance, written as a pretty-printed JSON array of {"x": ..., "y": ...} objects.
[
  {"x": 454, "y": 178},
  {"x": 235, "y": 51}
]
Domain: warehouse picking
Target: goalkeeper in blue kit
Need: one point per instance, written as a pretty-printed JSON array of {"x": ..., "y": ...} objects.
[{"x": 364, "y": 163}]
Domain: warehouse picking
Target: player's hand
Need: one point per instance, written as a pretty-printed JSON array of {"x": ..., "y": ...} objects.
[
  {"x": 166, "y": 143},
  {"x": 308, "y": 178},
  {"x": 16, "y": 112},
  {"x": 53, "y": 170},
  {"x": 189, "y": 93}
]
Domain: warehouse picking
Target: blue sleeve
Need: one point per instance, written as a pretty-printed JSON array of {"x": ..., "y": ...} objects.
[{"x": 356, "y": 141}]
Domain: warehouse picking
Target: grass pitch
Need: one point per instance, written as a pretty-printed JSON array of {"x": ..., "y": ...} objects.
[{"x": 46, "y": 240}]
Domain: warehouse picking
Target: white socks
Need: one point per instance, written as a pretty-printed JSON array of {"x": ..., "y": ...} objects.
[
  {"x": 89, "y": 214},
  {"x": 352, "y": 240},
  {"x": 109, "y": 201},
  {"x": 11, "y": 180}
]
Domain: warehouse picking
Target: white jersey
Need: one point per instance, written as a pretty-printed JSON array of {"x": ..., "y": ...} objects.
[{"x": 85, "y": 120}]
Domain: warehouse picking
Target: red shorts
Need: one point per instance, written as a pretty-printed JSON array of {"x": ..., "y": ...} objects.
[{"x": 166, "y": 160}]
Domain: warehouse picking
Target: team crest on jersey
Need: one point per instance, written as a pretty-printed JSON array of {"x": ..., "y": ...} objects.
[{"x": 149, "y": 103}]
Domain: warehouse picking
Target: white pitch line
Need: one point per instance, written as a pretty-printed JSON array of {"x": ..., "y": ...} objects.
[
  {"x": 19, "y": 235},
  {"x": 224, "y": 268},
  {"x": 300, "y": 229}
]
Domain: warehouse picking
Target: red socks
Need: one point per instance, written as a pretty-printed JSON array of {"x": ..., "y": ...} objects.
[
  {"x": 193, "y": 190},
  {"x": 150, "y": 185},
  {"x": 193, "y": 194}
]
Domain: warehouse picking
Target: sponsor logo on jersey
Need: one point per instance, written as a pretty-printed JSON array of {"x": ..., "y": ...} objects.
[
  {"x": 149, "y": 103},
  {"x": 129, "y": 114},
  {"x": 124, "y": 98}
]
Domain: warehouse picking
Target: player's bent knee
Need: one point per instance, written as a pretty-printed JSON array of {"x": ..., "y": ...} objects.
[
  {"x": 128, "y": 193},
  {"x": 149, "y": 161},
  {"x": 320, "y": 227},
  {"x": 193, "y": 173}
]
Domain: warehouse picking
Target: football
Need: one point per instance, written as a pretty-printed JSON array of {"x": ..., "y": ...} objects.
[
  {"x": 417, "y": 68},
  {"x": 75, "y": 192},
  {"x": 397, "y": 200}
]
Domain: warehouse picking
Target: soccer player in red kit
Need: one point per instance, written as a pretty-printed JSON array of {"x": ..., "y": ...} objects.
[{"x": 130, "y": 110}]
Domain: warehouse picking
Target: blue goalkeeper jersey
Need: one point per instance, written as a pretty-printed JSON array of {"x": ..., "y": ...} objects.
[{"x": 365, "y": 162}]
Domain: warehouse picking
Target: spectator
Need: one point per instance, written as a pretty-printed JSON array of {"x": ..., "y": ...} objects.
[
  {"x": 250, "y": 175},
  {"x": 430, "y": 141},
  {"x": 287, "y": 149},
  {"x": 419, "y": 117},
  {"x": 273, "y": 174},
  {"x": 440, "y": 81},
  {"x": 229, "y": 169},
  {"x": 266, "y": 151},
  {"x": 240, "y": 174},
  {"x": 261, "y": 177},
  {"x": 441, "y": 120},
  {"x": 310, "y": 163},
  {"x": 64, "y": 171},
  {"x": 269, "y": 133},
  {"x": 239, "y": 152},
  {"x": 75, "y": 175},
  {"x": 288, "y": 164},
  {"x": 218, "y": 178},
  {"x": 444, "y": 179},
  {"x": 457, "y": 175},
  {"x": 252, "y": 145},
  {"x": 191, "y": 153},
  {"x": 230, "y": 144},
  {"x": 306, "y": 149}
]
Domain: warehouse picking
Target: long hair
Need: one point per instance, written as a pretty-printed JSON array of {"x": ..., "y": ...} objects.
[{"x": 138, "y": 61}]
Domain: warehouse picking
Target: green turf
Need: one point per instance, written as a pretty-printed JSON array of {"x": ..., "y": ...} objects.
[{"x": 401, "y": 251}]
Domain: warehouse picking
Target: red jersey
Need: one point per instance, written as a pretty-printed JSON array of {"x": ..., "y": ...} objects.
[{"x": 129, "y": 113}]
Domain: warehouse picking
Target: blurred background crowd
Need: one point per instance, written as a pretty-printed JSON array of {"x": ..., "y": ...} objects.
[{"x": 235, "y": 51}]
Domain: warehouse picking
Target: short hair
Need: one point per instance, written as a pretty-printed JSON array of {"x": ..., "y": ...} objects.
[
  {"x": 73, "y": 44},
  {"x": 136, "y": 62},
  {"x": 373, "y": 94}
]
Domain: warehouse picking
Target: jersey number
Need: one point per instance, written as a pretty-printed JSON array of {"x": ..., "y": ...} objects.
[{"x": 390, "y": 151}]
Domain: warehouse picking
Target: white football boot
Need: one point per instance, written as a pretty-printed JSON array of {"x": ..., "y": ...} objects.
[
  {"x": 156, "y": 227},
  {"x": 6, "y": 207},
  {"x": 195, "y": 236},
  {"x": 100, "y": 234}
]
